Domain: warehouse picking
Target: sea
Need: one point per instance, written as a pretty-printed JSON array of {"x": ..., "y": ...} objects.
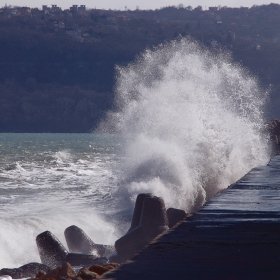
[
  {"x": 187, "y": 123},
  {"x": 52, "y": 181}
]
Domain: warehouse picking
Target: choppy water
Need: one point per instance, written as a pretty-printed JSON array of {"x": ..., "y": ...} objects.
[
  {"x": 51, "y": 181},
  {"x": 189, "y": 122}
]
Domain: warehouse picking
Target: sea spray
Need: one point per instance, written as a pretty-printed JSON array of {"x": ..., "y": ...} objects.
[
  {"x": 50, "y": 182},
  {"x": 18, "y": 235},
  {"x": 191, "y": 119}
]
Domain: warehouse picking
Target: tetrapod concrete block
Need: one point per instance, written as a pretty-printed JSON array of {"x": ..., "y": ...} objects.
[
  {"x": 138, "y": 210},
  {"x": 79, "y": 242},
  {"x": 153, "y": 221},
  {"x": 53, "y": 253},
  {"x": 175, "y": 216}
]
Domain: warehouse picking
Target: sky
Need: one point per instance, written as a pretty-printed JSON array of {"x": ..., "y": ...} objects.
[{"x": 132, "y": 4}]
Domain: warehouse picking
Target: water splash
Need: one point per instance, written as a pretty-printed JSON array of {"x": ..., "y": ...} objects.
[
  {"x": 191, "y": 119},
  {"x": 18, "y": 235},
  {"x": 49, "y": 182}
]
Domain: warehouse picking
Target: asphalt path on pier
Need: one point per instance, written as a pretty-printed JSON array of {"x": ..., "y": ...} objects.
[{"x": 236, "y": 235}]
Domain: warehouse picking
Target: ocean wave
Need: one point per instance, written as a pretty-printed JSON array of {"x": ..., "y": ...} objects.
[{"x": 191, "y": 119}]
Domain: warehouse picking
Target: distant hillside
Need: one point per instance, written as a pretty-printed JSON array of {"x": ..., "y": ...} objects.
[{"x": 57, "y": 67}]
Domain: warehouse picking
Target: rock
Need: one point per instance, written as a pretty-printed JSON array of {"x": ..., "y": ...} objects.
[
  {"x": 175, "y": 216},
  {"x": 275, "y": 124},
  {"x": 273, "y": 129},
  {"x": 78, "y": 241},
  {"x": 78, "y": 278},
  {"x": 153, "y": 221},
  {"x": 111, "y": 265},
  {"x": 76, "y": 259},
  {"x": 99, "y": 269},
  {"x": 27, "y": 270},
  {"x": 66, "y": 270},
  {"x": 40, "y": 273},
  {"x": 63, "y": 271},
  {"x": 53, "y": 253},
  {"x": 86, "y": 274}
]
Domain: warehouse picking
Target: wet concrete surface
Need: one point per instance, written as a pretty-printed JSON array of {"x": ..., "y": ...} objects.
[{"x": 236, "y": 235}]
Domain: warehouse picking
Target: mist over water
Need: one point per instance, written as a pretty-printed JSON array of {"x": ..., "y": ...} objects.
[{"x": 192, "y": 121}]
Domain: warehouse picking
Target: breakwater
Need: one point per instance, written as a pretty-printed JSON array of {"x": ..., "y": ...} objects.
[{"x": 233, "y": 236}]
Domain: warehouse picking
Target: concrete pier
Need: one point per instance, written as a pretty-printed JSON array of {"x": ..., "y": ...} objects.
[{"x": 236, "y": 235}]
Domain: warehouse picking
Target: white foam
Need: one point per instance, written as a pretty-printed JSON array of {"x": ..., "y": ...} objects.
[
  {"x": 63, "y": 155},
  {"x": 52, "y": 196},
  {"x": 18, "y": 235},
  {"x": 191, "y": 119},
  {"x": 5, "y": 277}
]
